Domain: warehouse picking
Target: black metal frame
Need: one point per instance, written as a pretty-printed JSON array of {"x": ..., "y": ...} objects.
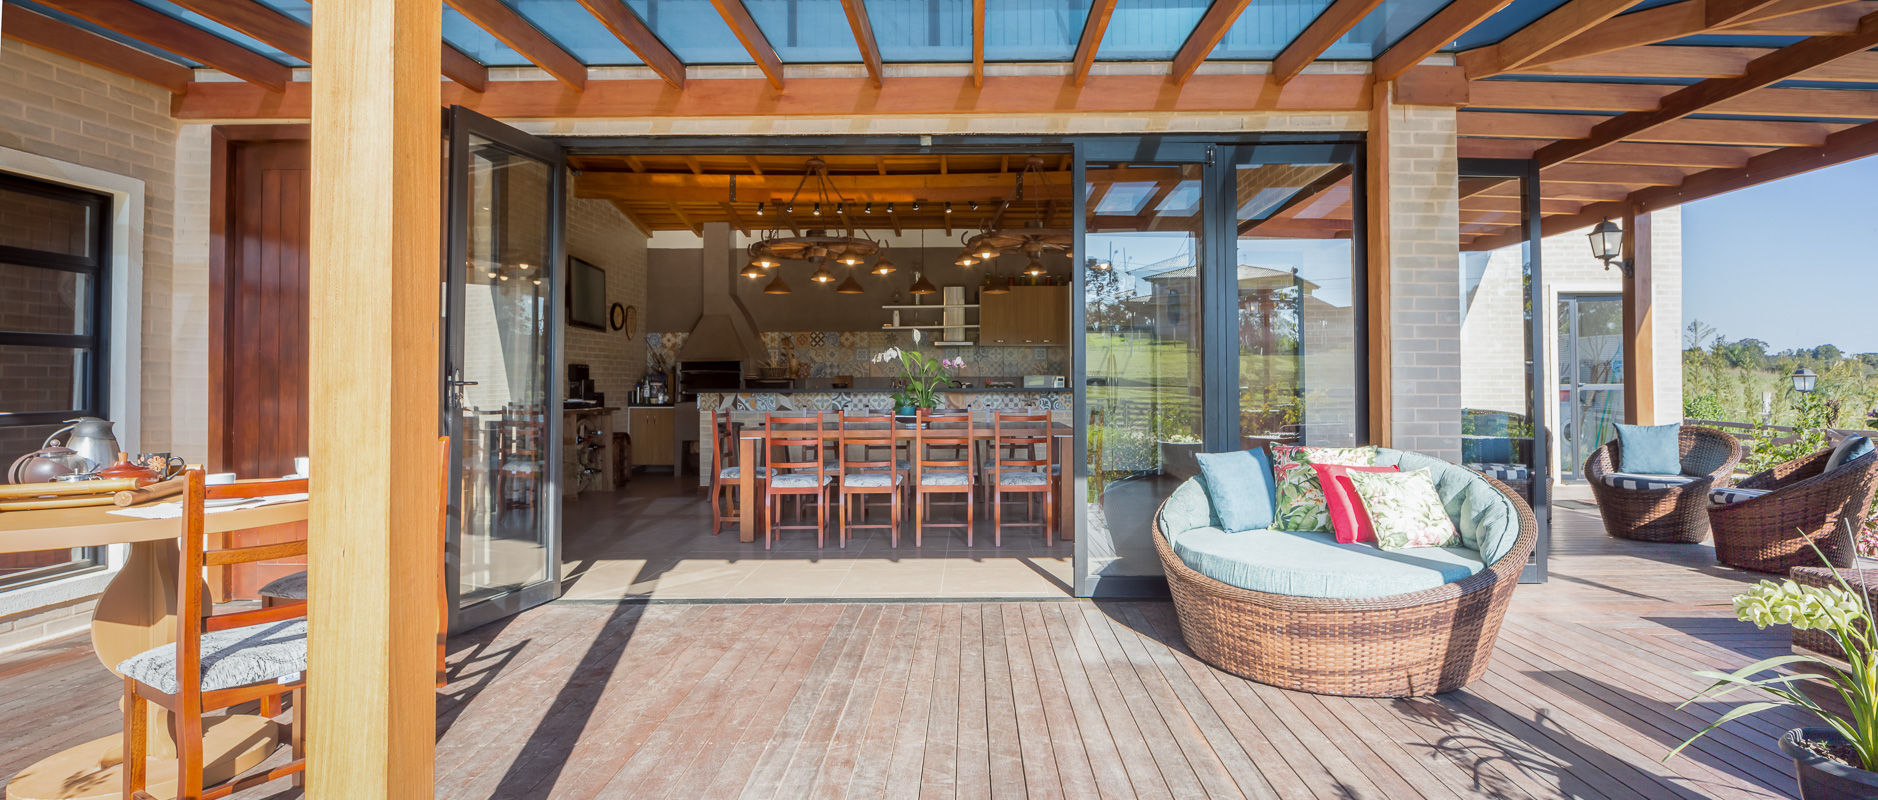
[
  {"x": 1527, "y": 173},
  {"x": 97, "y": 340}
]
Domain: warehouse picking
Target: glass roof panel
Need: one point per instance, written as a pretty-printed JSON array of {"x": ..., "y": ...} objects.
[
  {"x": 572, "y": 27},
  {"x": 806, "y": 31},
  {"x": 195, "y": 20},
  {"x": 298, "y": 9},
  {"x": 1383, "y": 27},
  {"x": 1265, "y": 27},
  {"x": 1034, "y": 30},
  {"x": 108, "y": 34},
  {"x": 1149, "y": 30},
  {"x": 923, "y": 30},
  {"x": 1516, "y": 15},
  {"x": 475, "y": 42},
  {"x": 693, "y": 30}
]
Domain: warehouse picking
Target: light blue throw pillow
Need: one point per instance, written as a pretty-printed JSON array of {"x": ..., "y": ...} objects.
[
  {"x": 1650, "y": 449},
  {"x": 1848, "y": 451},
  {"x": 1241, "y": 487}
]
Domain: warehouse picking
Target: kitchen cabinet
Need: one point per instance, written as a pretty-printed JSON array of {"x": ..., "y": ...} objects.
[
  {"x": 652, "y": 431},
  {"x": 1027, "y": 315}
]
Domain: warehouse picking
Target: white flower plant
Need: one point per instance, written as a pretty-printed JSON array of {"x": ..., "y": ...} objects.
[
  {"x": 1839, "y": 611},
  {"x": 923, "y": 374}
]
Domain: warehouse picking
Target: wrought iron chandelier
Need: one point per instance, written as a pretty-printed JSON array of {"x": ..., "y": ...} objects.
[
  {"x": 1033, "y": 239},
  {"x": 816, "y": 246}
]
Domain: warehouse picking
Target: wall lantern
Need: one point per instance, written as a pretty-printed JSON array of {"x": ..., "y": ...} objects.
[
  {"x": 1803, "y": 380},
  {"x": 1607, "y": 245}
]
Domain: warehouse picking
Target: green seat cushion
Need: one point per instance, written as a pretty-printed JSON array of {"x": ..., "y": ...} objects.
[{"x": 1313, "y": 564}]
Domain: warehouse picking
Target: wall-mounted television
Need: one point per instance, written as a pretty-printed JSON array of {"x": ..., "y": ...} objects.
[{"x": 586, "y": 295}]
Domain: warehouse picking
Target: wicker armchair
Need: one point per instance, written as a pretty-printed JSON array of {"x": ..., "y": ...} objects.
[
  {"x": 1407, "y": 645},
  {"x": 1677, "y": 514},
  {"x": 1804, "y": 504}
]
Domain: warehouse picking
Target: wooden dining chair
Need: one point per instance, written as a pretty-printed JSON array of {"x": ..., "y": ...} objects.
[
  {"x": 877, "y": 472},
  {"x": 218, "y": 660},
  {"x": 726, "y": 504},
  {"x": 1021, "y": 464},
  {"x": 795, "y": 445},
  {"x": 942, "y": 465}
]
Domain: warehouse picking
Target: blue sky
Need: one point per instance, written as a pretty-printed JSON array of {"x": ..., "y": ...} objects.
[{"x": 1793, "y": 262}]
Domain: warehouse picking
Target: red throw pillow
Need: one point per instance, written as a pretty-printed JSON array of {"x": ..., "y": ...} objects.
[{"x": 1348, "y": 518}]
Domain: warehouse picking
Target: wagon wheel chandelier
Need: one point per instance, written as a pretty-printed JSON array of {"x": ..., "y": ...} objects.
[
  {"x": 1033, "y": 239},
  {"x": 817, "y": 246}
]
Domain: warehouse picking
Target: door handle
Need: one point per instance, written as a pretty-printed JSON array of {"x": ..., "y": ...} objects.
[{"x": 455, "y": 382}]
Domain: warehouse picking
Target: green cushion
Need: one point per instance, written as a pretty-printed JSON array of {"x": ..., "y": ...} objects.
[
  {"x": 1650, "y": 449},
  {"x": 1313, "y": 564},
  {"x": 1486, "y": 519}
]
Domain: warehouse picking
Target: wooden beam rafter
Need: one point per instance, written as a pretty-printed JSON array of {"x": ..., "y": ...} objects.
[
  {"x": 1760, "y": 73},
  {"x": 1337, "y": 20},
  {"x": 978, "y": 43},
  {"x": 1746, "y": 132},
  {"x": 295, "y": 38},
  {"x": 1625, "y": 97},
  {"x": 864, "y": 39},
  {"x": 31, "y": 27},
  {"x": 1437, "y": 32},
  {"x": 459, "y": 67},
  {"x": 634, "y": 33},
  {"x": 737, "y": 16},
  {"x": 511, "y": 29},
  {"x": 1524, "y": 45},
  {"x": 1093, "y": 29},
  {"x": 1684, "y": 61},
  {"x": 1647, "y": 154},
  {"x": 168, "y": 33},
  {"x": 1666, "y": 22},
  {"x": 1212, "y": 27}
]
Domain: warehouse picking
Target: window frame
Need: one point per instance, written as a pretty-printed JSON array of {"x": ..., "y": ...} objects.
[{"x": 97, "y": 265}]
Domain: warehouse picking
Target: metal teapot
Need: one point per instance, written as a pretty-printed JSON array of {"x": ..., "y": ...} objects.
[
  {"x": 45, "y": 464},
  {"x": 93, "y": 440}
]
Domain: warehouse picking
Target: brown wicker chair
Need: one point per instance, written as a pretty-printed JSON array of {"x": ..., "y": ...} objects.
[
  {"x": 1771, "y": 533},
  {"x": 1678, "y": 514},
  {"x": 1409, "y": 645}
]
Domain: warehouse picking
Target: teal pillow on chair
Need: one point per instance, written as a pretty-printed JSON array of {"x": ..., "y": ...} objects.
[
  {"x": 1241, "y": 487},
  {"x": 1852, "y": 449},
  {"x": 1650, "y": 449}
]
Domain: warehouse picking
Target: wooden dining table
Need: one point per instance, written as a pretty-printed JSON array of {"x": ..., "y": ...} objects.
[
  {"x": 136, "y": 612},
  {"x": 751, "y": 437}
]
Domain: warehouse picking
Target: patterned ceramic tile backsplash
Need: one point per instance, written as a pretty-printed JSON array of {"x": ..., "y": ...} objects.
[{"x": 826, "y": 354}]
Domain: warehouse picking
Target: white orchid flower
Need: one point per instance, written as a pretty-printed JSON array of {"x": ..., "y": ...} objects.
[{"x": 915, "y": 336}]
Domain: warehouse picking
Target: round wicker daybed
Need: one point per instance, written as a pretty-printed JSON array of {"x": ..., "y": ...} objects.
[{"x": 1403, "y": 645}]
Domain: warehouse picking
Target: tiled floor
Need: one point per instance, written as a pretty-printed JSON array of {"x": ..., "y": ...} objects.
[{"x": 652, "y": 539}]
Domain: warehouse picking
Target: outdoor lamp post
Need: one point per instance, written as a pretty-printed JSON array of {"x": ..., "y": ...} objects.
[
  {"x": 1803, "y": 380},
  {"x": 1607, "y": 245}
]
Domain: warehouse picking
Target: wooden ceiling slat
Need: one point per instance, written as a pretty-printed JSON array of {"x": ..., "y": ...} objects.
[
  {"x": 292, "y": 36},
  {"x": 174, "y": 35},
  {"x": 1722, "y": 13},
  {"x": 507, "y": 26},
  {"x": 1838, "y": 18},
  {"x": 1683, "y": 61},
  {"x": 1665, "y": 155},
  {"x": 737, "y": 16},
  {"x": 1093, "y": 28},
  {"x": 1768, "y": 133},
  {"x": 1337, "y": 20},
  {"x": 1563, "y": 23},
  {"x": 1623, "y": 97},
  {"x": 1663, "y": 23},
  {"x": 864, "y": 39},
  {"x": 31, "y": 27},
  {"x": 1437, "y": 32},
  {"x": 1760, "y": 73},
  {"x": 1212, "y": 27},
  {"x": 632, "y": 32},
  {"x": 459, "y": 67}
]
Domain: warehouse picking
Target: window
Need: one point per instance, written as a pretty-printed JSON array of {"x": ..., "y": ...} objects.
[{"x": 54, "y": 331}]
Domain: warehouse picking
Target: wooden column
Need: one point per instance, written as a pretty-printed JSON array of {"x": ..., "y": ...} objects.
[
  {"x": 1639, "y": 326},
  {"x": 1376, "y": 173},
  {"x": 376, "y": 186}
]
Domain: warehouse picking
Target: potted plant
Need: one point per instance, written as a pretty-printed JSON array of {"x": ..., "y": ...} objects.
[
  {"x": 923, "y": 375},
  {"x": 1838, "y": 759}
]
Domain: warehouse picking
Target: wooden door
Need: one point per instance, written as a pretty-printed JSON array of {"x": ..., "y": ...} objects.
[{"x": 258, "y": 374}]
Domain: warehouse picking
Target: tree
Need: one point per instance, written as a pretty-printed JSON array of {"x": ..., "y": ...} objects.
[
  {"x": 1744, "y": 354},
  {"x": 1697, "y": 335}
]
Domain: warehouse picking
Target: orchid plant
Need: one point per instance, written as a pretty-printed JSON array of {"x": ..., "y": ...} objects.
[
  {"x": 1839, "y": 611},
  {"x": 923, "y": 374}
]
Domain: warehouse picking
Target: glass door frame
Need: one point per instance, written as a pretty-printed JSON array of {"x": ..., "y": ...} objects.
[
  {"x": 460, "y": 126},
  {"x": 1568, "y": 465}
]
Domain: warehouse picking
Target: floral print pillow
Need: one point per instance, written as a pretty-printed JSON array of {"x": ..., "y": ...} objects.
[
  {"x": 1301, "y": 505},
  {"x": 1405, "y": 509}
]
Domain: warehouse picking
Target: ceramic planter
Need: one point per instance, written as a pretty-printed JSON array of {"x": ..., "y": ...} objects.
[{"x": 1822, "y": 778}]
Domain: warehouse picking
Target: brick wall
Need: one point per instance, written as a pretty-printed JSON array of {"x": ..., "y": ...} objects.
[
  {"x": 1425, "y": 305},
  {"x": 599, "y": 235}
]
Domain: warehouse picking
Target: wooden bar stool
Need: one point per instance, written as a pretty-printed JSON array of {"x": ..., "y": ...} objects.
[
  {"x": 726, "y": 505},
  {"x": 1017, "y": 468},
  {"x": 942, "y": 465},
  {"x": 877, "y": 472},
  {"x": 803, "y": 434}
]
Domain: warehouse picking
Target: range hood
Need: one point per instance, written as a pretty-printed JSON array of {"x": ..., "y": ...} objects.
[{"x": 724, "y": 331}]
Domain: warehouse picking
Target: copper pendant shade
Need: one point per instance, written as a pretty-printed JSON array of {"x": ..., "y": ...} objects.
[
  {"x": 776, "y": 286},
  {"x": 923, "y": 286},
  {"x": 850, "y": 286}
]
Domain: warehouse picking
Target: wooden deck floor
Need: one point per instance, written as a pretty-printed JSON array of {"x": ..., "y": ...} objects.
[{"x": 1056, "y": 699}]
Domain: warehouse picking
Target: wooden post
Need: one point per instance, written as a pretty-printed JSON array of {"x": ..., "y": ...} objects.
[
  {"x": 1377, "y": 182},
  {"x": 376, "y": 184},
  {"x": 1639, "y": 325}
]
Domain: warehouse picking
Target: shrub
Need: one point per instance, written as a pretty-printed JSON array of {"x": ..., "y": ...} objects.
[{"x": 1703, "y": 406}]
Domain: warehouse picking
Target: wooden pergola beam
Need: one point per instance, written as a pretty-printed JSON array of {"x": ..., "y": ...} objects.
[
  {"x": 856, "y": 96},
  {"x": 1746, "y": 132},
  {"x": 31, "y": 27},
  {"x": 737, "y": 16},
  {"x": 863, "y": 39},
  {"x": 1378, "y": 251},
  {"x": 1682, "y": 61},
  {"x": 978, "y": 43},
  {"x": 296, "y": 39},
  {"x": 1429, "y": 37},
  {"x": 168, "y": 33},
  {"x": 1761, "y": 73},
  {"x": 373, "y": 582},
  {"x": 511, "y": 29},
  {"x": 1093, "y": 29},
  {"x": 459, "y": 67},
  {"x": 1639, "y": 321},
  {"x": 1648, "y": 154},
  {"x": 1625, "y": 97},
  {"x": 1337, "y": 20},
  {"x": 1524, "y": 45},
  {"x": 633, "y": 32},
  {"x": 1838, "y": 18},
  {"x": 1212, "y": 27},
  {"x": 1666, "y": 22}
]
